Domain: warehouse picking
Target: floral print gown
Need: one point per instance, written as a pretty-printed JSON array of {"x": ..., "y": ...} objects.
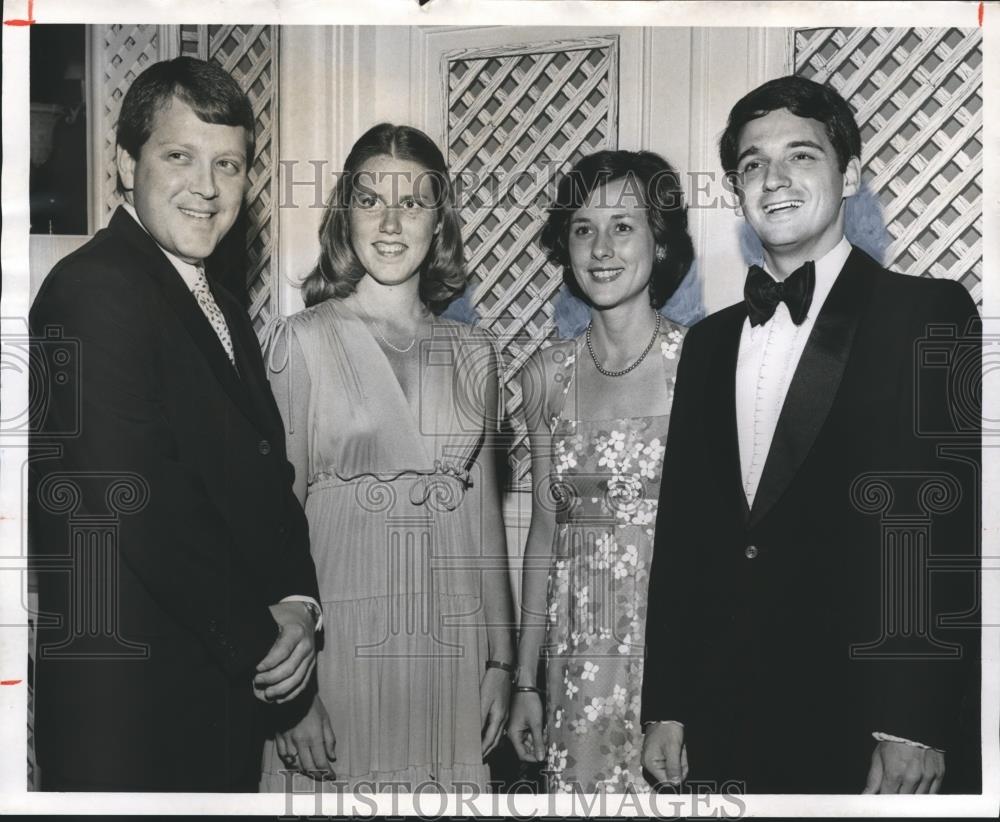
[{"x": 606, "y": 483}]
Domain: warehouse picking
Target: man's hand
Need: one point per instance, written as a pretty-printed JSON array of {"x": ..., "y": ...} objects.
[
  {"x": 284, "y": 672},
  {"x": 525, "y": 729},
  {"x": 310, "y": 745},
  {"x": 900, "y": 768},
  {"x": 664, "y": 753}
]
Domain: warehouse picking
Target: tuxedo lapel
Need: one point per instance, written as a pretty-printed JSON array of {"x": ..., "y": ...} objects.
[
  {"x": 814, "y": 385},
  {"x": 721, "y": 410},
  {"x": 154, "y": 264}
]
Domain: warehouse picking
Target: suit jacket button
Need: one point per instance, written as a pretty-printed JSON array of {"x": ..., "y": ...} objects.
[
  {"x": 264, "y": 447},
  {"x": 751, "y": 551}
]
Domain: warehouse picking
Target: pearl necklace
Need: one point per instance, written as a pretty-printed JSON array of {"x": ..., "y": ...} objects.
[
  {"x": 382, "y": 337},
  {"x": 393, "y": 347},
  {"x": 633, "y": 366}
]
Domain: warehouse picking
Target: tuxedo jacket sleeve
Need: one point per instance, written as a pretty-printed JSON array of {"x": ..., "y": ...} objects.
[
  {"x": 671, "y": 619},
  {"x": 217, "y": 535},
  {"x": 938, "y": 436}
]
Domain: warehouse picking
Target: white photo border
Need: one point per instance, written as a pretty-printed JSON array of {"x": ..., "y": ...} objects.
[{"x": 14, "y": 311}]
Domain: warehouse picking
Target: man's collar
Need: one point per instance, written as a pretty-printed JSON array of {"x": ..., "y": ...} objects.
[
  {"x": 188, "y": 272},
  {"x": 829, "y": 265}
]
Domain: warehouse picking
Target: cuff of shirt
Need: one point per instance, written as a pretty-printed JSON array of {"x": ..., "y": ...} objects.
[
  {"x": 302, "y": 598},
  {"x": 884, "y": 737}
]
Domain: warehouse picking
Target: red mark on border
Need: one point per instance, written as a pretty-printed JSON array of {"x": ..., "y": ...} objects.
[
  {"x": 10, "y": 681},
  {"x": 981, "y": 5},
  {"x": 28, "y": 22}
]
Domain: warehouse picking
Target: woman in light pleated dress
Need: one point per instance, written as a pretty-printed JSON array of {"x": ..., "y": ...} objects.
[{"x": 391, "y": 414}]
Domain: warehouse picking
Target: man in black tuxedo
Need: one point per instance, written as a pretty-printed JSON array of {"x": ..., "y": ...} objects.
[
  {"x": 798, "y": 640},
  {"x": 171, "y": 552}
]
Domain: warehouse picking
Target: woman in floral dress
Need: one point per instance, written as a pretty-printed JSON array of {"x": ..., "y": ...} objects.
[{"x": 597, "y": 409}]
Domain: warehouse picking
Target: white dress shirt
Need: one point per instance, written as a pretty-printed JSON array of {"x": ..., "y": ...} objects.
[
  {"x": 769, "y": 354},
  {"x": 189, "y": 273}
]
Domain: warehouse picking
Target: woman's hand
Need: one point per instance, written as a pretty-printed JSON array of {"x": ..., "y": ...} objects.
[
  {"x": 309, "y": 746},
  {"x": 525, "y": 729},
  {"x": 494, "y": 702}
]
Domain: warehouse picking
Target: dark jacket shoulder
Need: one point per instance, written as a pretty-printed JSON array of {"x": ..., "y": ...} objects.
[
  {"x": 924, "y": 299},
  {"x": 102, "y": 260}
]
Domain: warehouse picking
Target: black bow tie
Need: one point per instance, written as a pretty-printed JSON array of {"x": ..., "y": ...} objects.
[{"x": 763, "y": 293}]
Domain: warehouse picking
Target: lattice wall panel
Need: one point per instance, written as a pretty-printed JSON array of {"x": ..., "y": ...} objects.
[
  {"x": 125, "y": 52},
  {"x": 918, "y": 96},
  {"x": 249, "y": 53},
  {"x": 515, "y": 119}
]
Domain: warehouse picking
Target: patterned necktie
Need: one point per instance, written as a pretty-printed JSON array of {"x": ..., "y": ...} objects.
[
  {"x": 210, "y": 308},
  {"x": 763, "y": 293}
]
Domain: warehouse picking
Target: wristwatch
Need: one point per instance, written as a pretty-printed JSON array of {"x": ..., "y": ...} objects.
[{"x": 508, "y": 668}]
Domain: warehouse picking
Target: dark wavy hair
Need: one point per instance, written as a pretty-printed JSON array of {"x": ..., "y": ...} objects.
[
  {"x": 803, "y": 98},
  {"x": 338, "y": 271},
  {"x": 665, "y": 211},
  {"x": 210, "y": 91}
]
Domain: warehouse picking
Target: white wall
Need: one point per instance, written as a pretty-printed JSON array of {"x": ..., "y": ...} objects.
[{"x": 725, "y": 65}]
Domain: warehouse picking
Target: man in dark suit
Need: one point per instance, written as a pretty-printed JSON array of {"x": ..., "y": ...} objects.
[
  {"x": 176, "y": 588},
  {"x": 813, "y": 624}
]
